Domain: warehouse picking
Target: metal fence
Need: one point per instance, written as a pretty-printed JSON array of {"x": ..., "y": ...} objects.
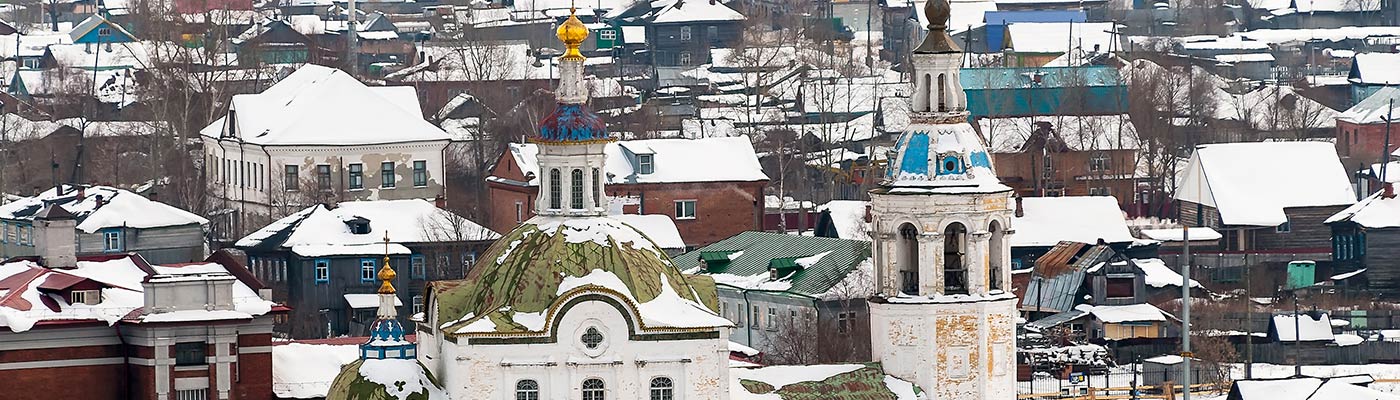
[{"x": 1121, "y": 384}]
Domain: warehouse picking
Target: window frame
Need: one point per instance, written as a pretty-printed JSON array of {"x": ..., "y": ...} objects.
[
  {"x": 104, "y": 31},
  {"x": 576, "y": 189},
  {"x": 527, "y": 389},
  {"x": 357, "y": 176},
  {"x": 113, "y": 240},
  {"x": 185, "y": 353},
  {"x": 387, "y": 176},
  {"x": 1098, "y": 162},
  {"x": 417, "y": 266},
  {"x": 662, "y": 388},
  {"x": 646, "y": 164},
  {"x": 1285, "y": 227},
  {"x": 680, "y": 209},
  {"x": 600, "y": 392},
  {"x": 686, "y": 34},
  {"x": 420, "y": 173},
  {"x": 772, "y": 324},
  {"x": 291, "y": 177},
  {"x": 371, "y": 266},
  {"x": 556, "y": 189},
  {"x": 417, "y": 304},
  {"x": 321, "y": 270},
  {"x": 323, "y": 177}
]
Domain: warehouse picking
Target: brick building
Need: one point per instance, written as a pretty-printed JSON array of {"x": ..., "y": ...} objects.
[
  {"x": 117, "y": 327},
  {"x": 712, "y": 188},
  {"x": 1361, "y": 130},
  {"x": 1067, "y": 156}
]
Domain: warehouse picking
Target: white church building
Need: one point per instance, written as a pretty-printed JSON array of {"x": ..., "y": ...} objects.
[{"x": 575, "y": 304}]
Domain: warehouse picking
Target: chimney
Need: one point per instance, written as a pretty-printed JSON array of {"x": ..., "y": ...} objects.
[
  {"x": 1389, "y": 190},
  {"x": 867, "y": 217},
  {"x": 56, "y": 238},
  {"x": 82, "y": 193},
  {"x": 100, "y": 201},
  {"x": 1020, "y": 211},
  {"x": 440, "y": 201}
]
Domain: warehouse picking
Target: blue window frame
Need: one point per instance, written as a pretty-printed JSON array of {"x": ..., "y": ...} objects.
[
  {"x": 4, "y": 227},
  {"x": 113, "y": 240},
  {"x": 367, "y": 269},
  {"x": 417, "y": 266},
  {"x": 322, "y": 270}
]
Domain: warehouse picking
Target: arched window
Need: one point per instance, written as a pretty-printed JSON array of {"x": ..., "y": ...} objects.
[
  {"x": 527, "y": 389},
  {"x": 996, "y": 265},
  {"x": 576, "y": 189},
  {"x": 593, "y": 389},
  {"x": 954, "y": 264},
  {"x": 662, "y": 388},
  {"x": 907, "y": 259},
  {"x": 555, "y": 191},
  {"x": 942, "y": 92},
  {"x": 597, "y": 189},
  {"x": 921, "y": 97}
]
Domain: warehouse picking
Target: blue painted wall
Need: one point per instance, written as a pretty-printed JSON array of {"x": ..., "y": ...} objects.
[{"x": 997, "y": 21}]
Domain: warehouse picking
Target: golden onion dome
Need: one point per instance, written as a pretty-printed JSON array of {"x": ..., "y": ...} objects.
[{"x": 572, "y": 32}]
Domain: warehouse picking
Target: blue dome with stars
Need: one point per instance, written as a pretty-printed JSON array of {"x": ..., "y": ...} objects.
[{"x": 948, "y": 157}]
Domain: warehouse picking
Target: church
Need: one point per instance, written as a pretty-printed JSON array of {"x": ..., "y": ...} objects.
[{"x": 575, "y": 304}]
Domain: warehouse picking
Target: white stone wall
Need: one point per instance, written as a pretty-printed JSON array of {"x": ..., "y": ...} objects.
[
  {"x": 697, "y": 367},
  {"x": 567, "y": 158},
  {"x": 927, "y": 68},
  {"x": 951, "y": 350},
  {"x": 931, "y": 215}
]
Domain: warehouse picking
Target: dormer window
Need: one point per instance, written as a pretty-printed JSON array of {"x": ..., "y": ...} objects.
[
  {"x": 646, "y": 164},
  {"x": 358, "y": 226},
  {"x": 88, "y": 297}
]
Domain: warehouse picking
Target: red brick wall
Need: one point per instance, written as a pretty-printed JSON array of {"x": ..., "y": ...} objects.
[
  {"x": 97, "y": 382},
  {"x": 254, "y": 370},
  {"x": 1360, "y": 145},
  {"x": 723, "y": 209}
]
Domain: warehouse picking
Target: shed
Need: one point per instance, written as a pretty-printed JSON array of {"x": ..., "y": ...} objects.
[{"x": 1167, "y": 368}]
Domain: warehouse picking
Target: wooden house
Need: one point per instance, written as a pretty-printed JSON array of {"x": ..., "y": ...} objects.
[
  {"x": 1268, "y": 199},
  {"x": 1068, "y": 156},
  {"x": 1366, "y": 239},
  {"x": 109, "y": 221}
]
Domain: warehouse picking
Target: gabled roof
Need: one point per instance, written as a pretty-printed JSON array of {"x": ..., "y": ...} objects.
[
  {"x": 323, "y": 106},
  {"x": 318, "y": 231},
  {"x": 117, "y": 208},
  {"x": 1307, "y": 388},
  {"x": 1046, "y": 221},
  {"x": 92, "y": 22},
  {"x": 689, "y": 11},
  {"x": 809, "y": 266},
  {"x": 1375, "y": 69},
  {"x": 1055, "y": 37},
  {"x": 1251, "y": 183},
  {"x": 727, "y": 159},
  {"x": 1374, "y": 109},
  {"x": 1375, "y": 212}
]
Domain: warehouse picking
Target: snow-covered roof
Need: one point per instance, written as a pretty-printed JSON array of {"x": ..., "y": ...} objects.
[
  {"x": 1375, "y": 69},
  {"x": 845, "y": 381},
  {"x": 922, "y": 160},
  {"x": 1055, "y": 37},
  {"x": 1309, "y": 388},
  {"x": 1374, "y": 109},
  {"x": 1251, "y": 183},
  {"x": 1046, "y": 221},
  {"x": 687, "y": 11},
  {"x": 28, "y": 292},
  {"x": 1175, "y": 234},
  {"x": 1375, "y": 212},
  {"x": 1078, "y": 133},
  {"x": 1245, "y": 58},
  {"x": 117, "y": 208},
  {"x": 826, "y": 268},
  {"x": 1275, "y": 108},
  {"x": 848, "y": 217},
  {"x": 86, "y": 56},
  {"x": 305, "y": 371},
  {"x": 367, "y": 300},
  {"x": 318, "y": 231},
  {"x": 1127, "y": 313},
  {"x": 1222, "y": 43},
  {"x": 1318, "y": 329},
  {"x": 717, "y": 159},
  {"x": 324, "y": 106},
  {"x": 1157, "y": 274}
]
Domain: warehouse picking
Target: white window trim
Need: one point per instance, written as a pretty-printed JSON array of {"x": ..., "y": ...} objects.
[{"x": 694, "y": 208}]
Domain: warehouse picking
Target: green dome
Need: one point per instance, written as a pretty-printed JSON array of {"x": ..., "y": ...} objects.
[
  {"x": 520, "y": 277},
  {"x": 388, "y": 379}
]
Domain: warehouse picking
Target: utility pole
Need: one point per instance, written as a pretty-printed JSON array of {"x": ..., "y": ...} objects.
[
  {"x": 1185, "y": 312},
  {"x": 1248, "y": 324},
  {"x": 352, "y": 40}
]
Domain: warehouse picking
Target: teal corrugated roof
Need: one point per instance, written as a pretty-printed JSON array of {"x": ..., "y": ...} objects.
[
  {"x": 761, "y": 250},
  {"x": 1049, "y": 77}
]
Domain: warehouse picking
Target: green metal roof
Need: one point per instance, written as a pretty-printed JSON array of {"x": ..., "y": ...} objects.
[{"x": 764, "y": 250}]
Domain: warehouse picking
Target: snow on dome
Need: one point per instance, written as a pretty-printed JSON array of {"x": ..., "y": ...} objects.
[
  {"x": 1251, "y": 183},
  {"x": 305, "y": 371},
  {"x": 1046, "y": 221},
  {"x": 388, "y": 379},
  {"x": 524, "y": 276},
  {"x": 942, "y": 156}
]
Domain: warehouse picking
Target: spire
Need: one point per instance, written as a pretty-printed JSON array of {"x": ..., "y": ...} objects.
[
  {"x": 387, "y": 294},
  {"x": 386, "y": 335},
  {"x": 572, "y": 122},
  {"x": 572, "y": 32}
]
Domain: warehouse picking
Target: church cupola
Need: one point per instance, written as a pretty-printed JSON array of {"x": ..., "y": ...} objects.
[
  {"x": 386, "y": 334},
  {"x": 571, "y": 139}
]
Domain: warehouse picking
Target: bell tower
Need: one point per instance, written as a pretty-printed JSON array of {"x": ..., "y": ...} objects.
[
  {"x": 571, "y": 139},
  {"x": 943, "y": 315}
]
